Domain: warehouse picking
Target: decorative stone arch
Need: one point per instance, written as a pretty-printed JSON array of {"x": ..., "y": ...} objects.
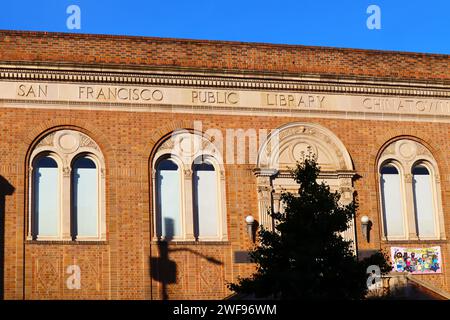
[
  {"x": 37, "y": 133},
  {"x": 66, "y": 145},
  {"x": 161, "y": 134},
  {"x": 283, "y": 144},
  {"x": 382, "y": 141},
  {"x": 406, "y": 152},
  {"x": 289, "y": 144},
  {"x": 186, "y": 146}
]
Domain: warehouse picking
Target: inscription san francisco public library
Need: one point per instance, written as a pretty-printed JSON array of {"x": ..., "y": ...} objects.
[{"x": 253, "y": 99}]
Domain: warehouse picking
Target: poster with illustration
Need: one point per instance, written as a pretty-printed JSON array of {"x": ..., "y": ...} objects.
[{"x": 416, "y": 260}]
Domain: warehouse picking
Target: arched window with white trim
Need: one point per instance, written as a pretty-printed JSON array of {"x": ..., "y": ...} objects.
[
  {"x": 188, "y": 189},
  {"x": 206, "y": 199},
  {"x": 46, "y": 197},
  {"x": 392, "y": 201},
  {"x": 85, "y": 190},
  {"x": 410, "y": 192},
  {"x": 424, "y": 201},
  {"x": 168, "y": 199},
  {"x": 67, "y": 188}
]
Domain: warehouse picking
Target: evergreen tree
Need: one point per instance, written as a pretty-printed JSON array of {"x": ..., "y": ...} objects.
[{"x": 306, "y": 257}]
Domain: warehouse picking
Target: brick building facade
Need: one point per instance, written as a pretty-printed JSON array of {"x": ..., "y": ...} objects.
[{"x": 117, "y": 101}]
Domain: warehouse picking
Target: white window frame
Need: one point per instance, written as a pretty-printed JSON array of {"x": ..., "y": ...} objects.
[
  {"x": 401, "y": 173},
  {"x": 185, "y": 161},
  {"x": 182, "y": 234},
  {"x": 101, "y": 221},
  {"x": 32, "y": 223},
  {"x": 434, "y": 193},
  {"x": 417, "y": 154},
  {"x": 83, "y": 146},
  {"x": 220, "y": 187}
]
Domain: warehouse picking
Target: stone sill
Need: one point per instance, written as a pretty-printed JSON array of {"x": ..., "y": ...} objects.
[
  {"x": 65, "y": 242},
  {"x": 418, "y": 242},
  {"x": 190, "y": 242}
]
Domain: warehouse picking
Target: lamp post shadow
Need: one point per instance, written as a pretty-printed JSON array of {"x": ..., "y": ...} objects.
[
  {"x": 6, "y": 189},
  {"x": 162, "y": 268}
]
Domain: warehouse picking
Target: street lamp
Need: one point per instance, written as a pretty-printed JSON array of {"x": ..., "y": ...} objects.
[
  {"x": 250, "y": 220},
  {"x": 365, "y": 224}
]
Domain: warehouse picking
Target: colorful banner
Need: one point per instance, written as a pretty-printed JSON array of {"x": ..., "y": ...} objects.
[{"x": 416, "y": 260}]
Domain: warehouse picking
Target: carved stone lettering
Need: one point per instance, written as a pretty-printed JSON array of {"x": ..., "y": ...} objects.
[
  {"x": 32, "y": 91},
  {"x": 293, "y": 100},
  {"x": 214, "y": 97}
]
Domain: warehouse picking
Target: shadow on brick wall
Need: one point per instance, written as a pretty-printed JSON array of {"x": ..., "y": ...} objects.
[
  {"x": 6, "y": 189},
  {"x": 164, "y": 270}
]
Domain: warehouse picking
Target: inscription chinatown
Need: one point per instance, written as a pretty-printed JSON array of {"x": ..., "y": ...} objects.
[
  {"x": 242, "y": 99},
  {"x": 406, "y": 105}
]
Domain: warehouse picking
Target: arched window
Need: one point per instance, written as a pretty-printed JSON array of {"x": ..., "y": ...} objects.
[
  {"x": 168, "y": 194},
  {"x": 392, "y": 197},
  {"x": 189, "y": 189},
  {"x": 410, "y": 192},
  {"x": 66, "y": 189},
  {"x": 423, "y": 201},
  {"x": 84, "y": 198},
  {"x": 206, "y": 200},
  {"x": 46, "y": 197}
]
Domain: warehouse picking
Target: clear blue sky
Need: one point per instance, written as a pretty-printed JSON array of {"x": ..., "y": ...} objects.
[{"x": 406, "y": 25}]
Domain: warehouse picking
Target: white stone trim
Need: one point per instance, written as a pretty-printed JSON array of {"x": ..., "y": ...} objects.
[
  {"x": 62, "y": 228},
  {"x": 170, "y": 149},
  {"x": 272, "y": 178},
  {"x": 65, "y": 152},
  {"x": 401, "y": 171},
  {"x": 200, "y": 78},
  {"x": 160, "y": 156},
  {"x": 415, "y": 153},
  {"x": 316, "y": 134}
]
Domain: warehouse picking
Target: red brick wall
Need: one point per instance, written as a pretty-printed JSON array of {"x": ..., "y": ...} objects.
[
  {"x": 120, "y": 268},
  {"x": 237, "y": 56}
]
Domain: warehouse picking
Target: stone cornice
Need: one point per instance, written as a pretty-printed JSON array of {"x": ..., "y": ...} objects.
[
  {"x": 322, "y": 175},
  {"x": 288, "y": 174},
  {"x": 246, "y": 81}
]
